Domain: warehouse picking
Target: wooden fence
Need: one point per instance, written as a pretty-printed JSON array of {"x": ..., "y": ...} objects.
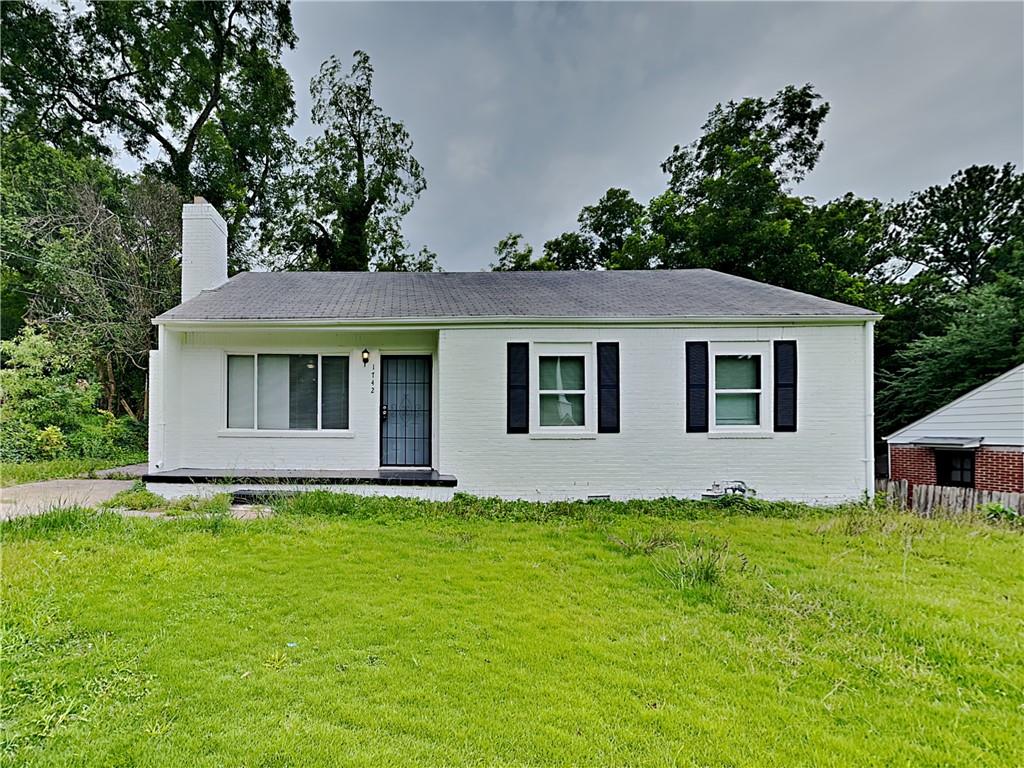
[{"x": 939, "y": 500}]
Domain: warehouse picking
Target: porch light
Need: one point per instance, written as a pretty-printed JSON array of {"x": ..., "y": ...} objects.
[{"x": 366, "y": 356}]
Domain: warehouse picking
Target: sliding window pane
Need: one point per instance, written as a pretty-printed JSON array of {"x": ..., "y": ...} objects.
[
  {"x": 241, "y": 391},
  {"x": 561, "y": 411},
  {"x": 737, "y": 372},
  {"x": 736, "y": 409},
  {"x": 561, "y": 373},
  {"x": 334, "y": 393},
  {"x": 302, "y": 393},
  {"x": 272, "y": 389}
]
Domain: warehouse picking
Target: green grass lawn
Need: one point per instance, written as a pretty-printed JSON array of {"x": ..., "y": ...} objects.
[
  {"x": 12, "y": 473},
  {"x": 399, "y": 633}
]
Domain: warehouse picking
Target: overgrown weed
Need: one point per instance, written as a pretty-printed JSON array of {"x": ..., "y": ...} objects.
[{"x": 701, "y": 567}]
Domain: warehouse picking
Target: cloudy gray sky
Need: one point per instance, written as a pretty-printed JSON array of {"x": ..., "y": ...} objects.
[{"x": 521, "y": 114}]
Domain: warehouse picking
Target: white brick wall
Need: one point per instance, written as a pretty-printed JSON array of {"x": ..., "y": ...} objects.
[
  {"x": 652, "y": 455},
  {"x": 195, "y": 435},
  {"x": 204, "y": 249}
]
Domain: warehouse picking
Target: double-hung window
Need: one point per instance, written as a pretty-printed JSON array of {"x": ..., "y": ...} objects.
[
  {"x": 737, "y": 390},
  {"x": 307, "y": 392},
  {"x": 562, "y": 391}
]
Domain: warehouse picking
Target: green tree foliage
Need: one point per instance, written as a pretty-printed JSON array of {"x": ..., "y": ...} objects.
[
  {"x": 767, "y": 141},
  {"x": 613, "y": 234},
  {"x": 199, "y": 83},
  {"x": 967, "y": 230},
  {"x": 958, "y": 321},
  {"x": 513, "y": 255},
  {"x": 99, "y": 258},
  {"x": 48, "y": 407},
  {"x": 611, "y": 222},
  {"x": 340, "y": 205},
  {"x": 37, "y": 182},
  {"x": 424, "y": 260},
  {"x": 570, "y": 250},
  {"x": 730, "y": 207},
  {"x": 984, "y": 338}
]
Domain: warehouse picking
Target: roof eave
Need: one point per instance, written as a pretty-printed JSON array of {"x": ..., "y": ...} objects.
[{"x": 449, "y": 322}]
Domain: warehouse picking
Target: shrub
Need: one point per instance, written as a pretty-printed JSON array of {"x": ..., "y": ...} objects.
[
  {"x": 43, "y": 386},
  {"x": 995, "y": 512},
  {"x": 48, "y": 406},
  {"x": 17, "y": 440},
  {"x": 50, "y": 443}
]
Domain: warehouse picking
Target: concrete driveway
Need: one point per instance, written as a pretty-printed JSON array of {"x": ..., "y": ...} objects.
[{"x": 33, "y": 498}]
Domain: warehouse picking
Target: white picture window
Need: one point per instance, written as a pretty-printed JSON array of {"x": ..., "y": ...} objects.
[
  {"x": 277, "y": 391},
  {"x": 738, "y": 390}
]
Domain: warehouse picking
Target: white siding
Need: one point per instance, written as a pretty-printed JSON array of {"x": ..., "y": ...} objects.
[
  {"x": 993, "y": 411},
  {"x": 653, "y": 455}
]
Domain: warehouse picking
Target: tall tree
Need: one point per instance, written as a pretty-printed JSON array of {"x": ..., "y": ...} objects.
[
  {"x": 570, "y": 250},
  {"x": 611, "y": 221},
  {"x": 349, "y": 186},
  {"x": 777, "y": 137},
  {"x": 730, "y": 208},
  {"x": 513, "y": 255},
  {"x": 105, "y": 271},
  {"x": 200, "y": 83},
  {"x": 966, "y": 231},
  {"x": 97, "y": 256}
]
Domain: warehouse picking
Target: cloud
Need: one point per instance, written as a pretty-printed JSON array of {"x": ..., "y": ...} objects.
[{"x": 523, "y": 113}]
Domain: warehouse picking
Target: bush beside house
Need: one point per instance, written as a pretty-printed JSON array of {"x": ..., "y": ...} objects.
[{"x": 49, "y": 406}]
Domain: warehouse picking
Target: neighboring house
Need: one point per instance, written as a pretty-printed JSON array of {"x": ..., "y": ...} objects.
[
  {"x": 977, "y": 441},
  {"x": 535, "y": 385}
]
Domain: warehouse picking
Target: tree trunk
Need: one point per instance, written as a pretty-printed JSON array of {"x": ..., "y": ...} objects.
[
  {"x": 110, "y": 385},
  {"x": 127, "y": 409}
]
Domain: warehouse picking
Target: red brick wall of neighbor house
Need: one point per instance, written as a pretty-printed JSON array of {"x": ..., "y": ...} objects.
[
  {"x": 999, "y": 471},
  {"x": 994, "y": 470},
  {"x": 913, "y": 464}
]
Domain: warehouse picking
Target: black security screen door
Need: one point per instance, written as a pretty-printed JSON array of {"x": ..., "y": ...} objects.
[{"x": 405, "y": 411}]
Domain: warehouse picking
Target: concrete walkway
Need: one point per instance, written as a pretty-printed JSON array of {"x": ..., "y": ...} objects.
[
  {"x": 33, "y": 498},
  {"x": 120, "y": 473}
]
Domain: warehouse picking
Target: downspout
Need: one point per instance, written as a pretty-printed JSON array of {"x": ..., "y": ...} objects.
[{"x": 869, "y": 408}]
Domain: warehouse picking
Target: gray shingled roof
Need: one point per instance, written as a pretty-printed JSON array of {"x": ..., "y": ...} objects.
[{"x": 687, "y": 293}]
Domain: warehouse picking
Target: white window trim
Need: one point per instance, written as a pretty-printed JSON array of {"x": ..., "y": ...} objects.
[
  {"x": 764, "y": 412},
  {"x": 255, "y": 431},
  {"x": 586, "y": 350}
]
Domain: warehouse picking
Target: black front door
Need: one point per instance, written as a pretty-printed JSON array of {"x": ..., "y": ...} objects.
[{"x": 405, "y": 411}]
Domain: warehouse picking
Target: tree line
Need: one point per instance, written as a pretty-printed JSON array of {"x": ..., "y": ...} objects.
[{"x": 197, "y": 95}]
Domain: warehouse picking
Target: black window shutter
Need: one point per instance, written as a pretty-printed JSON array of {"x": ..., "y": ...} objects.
[
  {"x": 696, "y": 386},
  {"x": 607, "y": 386},
  {"x": 518, "y": 417},
  {"x": 785, "y": 386}
]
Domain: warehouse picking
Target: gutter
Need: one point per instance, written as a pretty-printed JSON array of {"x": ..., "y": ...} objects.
[
  {"x": 371, "y": 323},
  {"x": 869, "y": 408}
]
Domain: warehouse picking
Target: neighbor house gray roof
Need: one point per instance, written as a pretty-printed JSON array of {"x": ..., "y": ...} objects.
[{"x": 348, "y": 296}]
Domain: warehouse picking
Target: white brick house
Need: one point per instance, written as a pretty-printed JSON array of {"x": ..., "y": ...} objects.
[{"x": 536, "y": 385}]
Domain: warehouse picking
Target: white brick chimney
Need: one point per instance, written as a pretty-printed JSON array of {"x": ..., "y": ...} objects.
[{"x": 204, "y": 248}]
